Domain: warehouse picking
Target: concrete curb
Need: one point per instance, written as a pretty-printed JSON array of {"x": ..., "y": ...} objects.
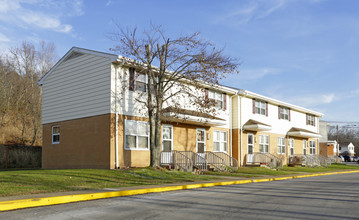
[{"x": 28, "y": 203}]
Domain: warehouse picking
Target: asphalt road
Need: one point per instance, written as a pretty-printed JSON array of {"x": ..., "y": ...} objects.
[{"x": 325, "y": 197}]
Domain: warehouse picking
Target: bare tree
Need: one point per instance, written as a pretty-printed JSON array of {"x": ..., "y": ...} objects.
[{"x": 171, "y": 65}]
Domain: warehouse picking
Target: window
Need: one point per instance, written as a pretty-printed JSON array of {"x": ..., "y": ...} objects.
[
  {"x": 138, "y": 81},
  {"x": 263, "y": 143},
  {"x": 260, "y": 107},
  {"x": 136, "y": 133},
  {"x": 312, "y": 147},
  {"x": 305, "y": 147},
  {"x": 281, "y": 145},
  {"x": 216, "y": 98},
  {"x": 167, "y": 138},
  {"x": 291, "y": 146},
  {"x": 311, "y": 120},
  {"x": 55, "y": 134},
  {"x": 220, "y": 141},
  {"x": 284, "y": 113}
]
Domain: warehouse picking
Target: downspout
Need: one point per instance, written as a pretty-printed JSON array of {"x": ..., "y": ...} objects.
[
  {"x": 230, "y": 124},
  {"x": 240, "y": 126},
  {"x": 116, "y": 123}
]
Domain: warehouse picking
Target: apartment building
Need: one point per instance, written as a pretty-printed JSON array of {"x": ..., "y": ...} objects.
[{"x": 92, "y": 118}]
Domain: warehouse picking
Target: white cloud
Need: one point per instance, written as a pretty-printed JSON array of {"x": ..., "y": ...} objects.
[
  {"x": 255, "y": 74},
  {"x": 258, "y": 9},
  {"x": 3, "y": 38},
  {"x": 44, "y": 14},
  {"x": 311, "y": 100}
]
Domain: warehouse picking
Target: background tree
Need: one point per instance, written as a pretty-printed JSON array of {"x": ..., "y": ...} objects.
[
  {"x": 20, "y": 98},
  {"x": 345, "y": 135},
  {"x": 171, "y": 65}
]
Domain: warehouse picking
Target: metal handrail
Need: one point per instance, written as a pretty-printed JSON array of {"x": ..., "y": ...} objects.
[
  {"x": 310, "y": 160},
  {"x": 229, "y": 161},
  {"x": 215, "y": 161},
  {"x": 182, "y": 161}
]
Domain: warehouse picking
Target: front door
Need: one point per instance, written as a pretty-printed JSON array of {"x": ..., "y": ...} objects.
[
  {"x": 250, "y": 147},
  {"x": 201, "y": 145},
  {"x": 167, "y": 144}
]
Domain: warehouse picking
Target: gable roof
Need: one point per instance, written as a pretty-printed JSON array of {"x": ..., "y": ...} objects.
[{"x": 74, "y": 50}]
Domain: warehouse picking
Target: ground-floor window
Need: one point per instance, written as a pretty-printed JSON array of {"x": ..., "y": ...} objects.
[
  {"x": 305, "y": 147},
  {"x": 291, "y": 146},
  {"x": 167, "y": 138},
  {"x": 263, "y": 143},
  {"x": 281, "y": 145},
  {"x": 55, "y": 134},
  {"x": 312, "y": 147},
  {"x": 136, "y": 135},
  {"x": 220, "y": 141}
]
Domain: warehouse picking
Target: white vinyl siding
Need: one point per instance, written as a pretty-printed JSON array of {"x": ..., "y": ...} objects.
[{"x": 77, "y": 88}]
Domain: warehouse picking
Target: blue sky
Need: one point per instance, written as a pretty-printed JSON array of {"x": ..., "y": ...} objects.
[{"x": 304, "y": 52}]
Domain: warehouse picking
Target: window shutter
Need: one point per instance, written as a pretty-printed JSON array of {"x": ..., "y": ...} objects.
[
  {"x": 224, "y": 101},
  {"x": 266, "y": 108},
  {"x": 254, "y": 106},
  {"x": 289, "y": 114},
  {"x": 206, "y": 94},
  {"x": 132, "y": 79},
  {"x": 313, "y": 120},
  {"x": 278, "y": 112}
]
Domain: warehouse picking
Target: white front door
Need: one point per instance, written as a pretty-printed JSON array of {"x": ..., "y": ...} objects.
[
  {"x": 291, "y": 146},
  {"x": 167, "y": 144},
  {"x": 250, "y": 148},
  {"x": 201, "y": 142}
]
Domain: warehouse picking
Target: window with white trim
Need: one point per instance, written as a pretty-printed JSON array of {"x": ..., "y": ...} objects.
[
  {"x": 217, "y": 98},
  {"x": 220, "y": 141},
  {"x": 312, "y": 147},
  {"x": 55, "y": 134},
  {"x": 264, "y": 143},
  {"x": 260, "y": 107},
  {"x": 291, "y": 146},
  {"x": 281, "y": 145},
  {"x": 136, "y": 135},
  {"x": 284, "y": 113},
  {"x": 311, "y": 120},
  {"x": 305, "y": 143}
]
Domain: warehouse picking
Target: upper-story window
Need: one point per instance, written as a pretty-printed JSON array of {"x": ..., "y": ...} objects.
[
  {"x": 219, "y": 99},
  {"x": 260, "y": 107},
  {"x": 138, "y": 81},
  {"x": 311, "y": 120},
  {"x": 284, "y": 113}
]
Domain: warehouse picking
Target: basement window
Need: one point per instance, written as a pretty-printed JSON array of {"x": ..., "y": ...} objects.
[{"x": 55, "y": 134}]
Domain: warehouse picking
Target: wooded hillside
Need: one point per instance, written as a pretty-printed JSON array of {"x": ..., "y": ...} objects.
[{"x": 20, "y": 96}]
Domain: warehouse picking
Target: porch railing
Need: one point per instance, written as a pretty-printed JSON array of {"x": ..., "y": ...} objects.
[
  {"x": 310, "y": 160},
  {"x": 182, "y": 162},
  {"x": 228, "y": 161},
  {"x": 267, "y": 159}
]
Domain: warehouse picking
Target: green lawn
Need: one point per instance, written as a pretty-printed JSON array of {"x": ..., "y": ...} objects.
[{"x": 45, "y": 181}]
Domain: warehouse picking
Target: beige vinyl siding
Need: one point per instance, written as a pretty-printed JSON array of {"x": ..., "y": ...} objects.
[{"x": 77, "y": 88}]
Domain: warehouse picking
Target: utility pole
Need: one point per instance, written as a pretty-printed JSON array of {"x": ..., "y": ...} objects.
[{"x": 337, "y": 140}]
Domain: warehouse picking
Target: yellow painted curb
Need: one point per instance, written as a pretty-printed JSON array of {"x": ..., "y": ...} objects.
[{"x": 36, "y": 202}]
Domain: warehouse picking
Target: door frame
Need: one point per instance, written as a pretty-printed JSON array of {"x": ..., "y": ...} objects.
[
  {"x": 250, "y": 134},
  {"x": 204, "y": 137}
]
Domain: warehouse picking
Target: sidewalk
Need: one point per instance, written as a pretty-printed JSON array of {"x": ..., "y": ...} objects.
[{"x": 36, "y": 200}]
